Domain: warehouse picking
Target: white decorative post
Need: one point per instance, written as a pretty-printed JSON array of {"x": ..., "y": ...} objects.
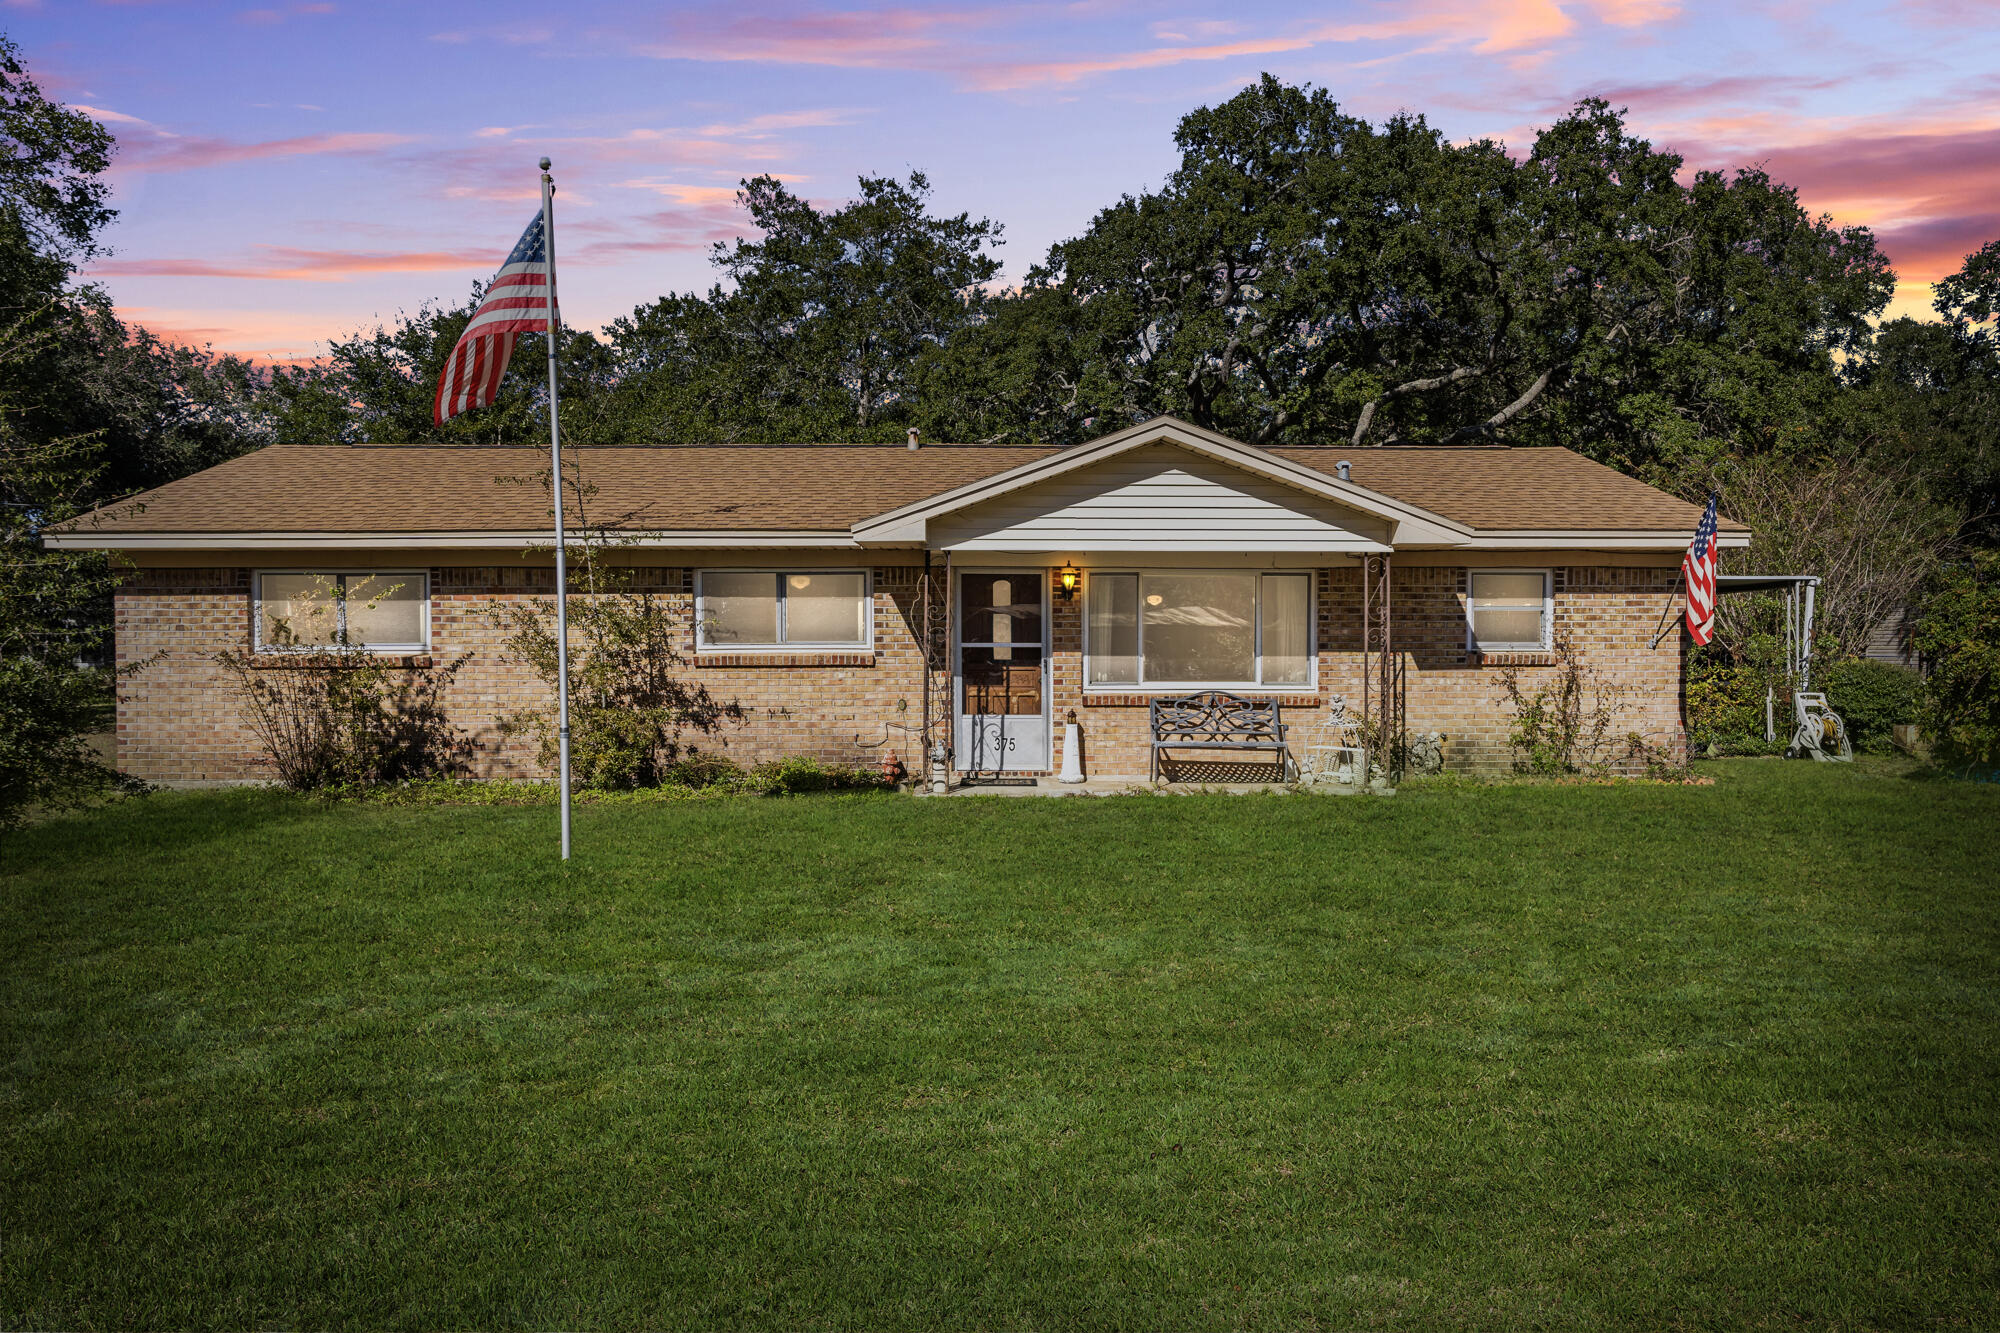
[{"x": 1072, "y": 769}]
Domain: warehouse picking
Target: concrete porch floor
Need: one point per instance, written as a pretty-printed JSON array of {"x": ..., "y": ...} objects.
[
  {"x": 1180, "y": 776},
  {"x": 1136, "y": 784}
]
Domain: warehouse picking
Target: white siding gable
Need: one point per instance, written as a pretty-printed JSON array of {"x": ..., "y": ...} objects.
[{"x": 1160, "y": 498}]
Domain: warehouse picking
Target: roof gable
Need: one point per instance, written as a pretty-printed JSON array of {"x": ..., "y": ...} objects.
[
  {"x": 1158, "y": 497},
  {"x": 1406, "y": 523}
]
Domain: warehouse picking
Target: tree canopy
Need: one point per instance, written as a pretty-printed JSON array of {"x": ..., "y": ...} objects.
[{"x": 1302, "y": 276}]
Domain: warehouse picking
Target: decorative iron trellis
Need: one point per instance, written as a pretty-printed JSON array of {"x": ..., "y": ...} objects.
[
  {"x": 934, "y": 639},
  {"x": 1383, "y": 688}
]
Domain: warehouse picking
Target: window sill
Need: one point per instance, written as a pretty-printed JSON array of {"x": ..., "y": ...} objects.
[
  {"x": 1521, "y": 658},
  {"x": 265, "y": 660},
  {"x": 1104, "y": 699},
  {"x": 857, "y": 658}
]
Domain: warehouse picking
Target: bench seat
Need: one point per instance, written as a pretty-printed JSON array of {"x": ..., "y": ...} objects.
[{"x": 1215, "y": 720}]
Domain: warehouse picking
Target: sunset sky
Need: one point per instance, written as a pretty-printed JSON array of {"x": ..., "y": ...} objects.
[{"x": 292, "y": 172}]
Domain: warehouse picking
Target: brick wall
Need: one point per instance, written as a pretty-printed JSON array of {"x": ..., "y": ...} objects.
[
  {"x": 1610, "y": 611},
  {"x": 178, "y": 718}
]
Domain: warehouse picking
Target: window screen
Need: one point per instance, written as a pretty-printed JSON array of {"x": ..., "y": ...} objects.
[
  {"x": 1113, "y": 604},
  {"x": 766, "y": 608},
  {"x": 361, "y": 608},
  {"x": 1286, "y": 635},
  {"x": 1509, "y": 610},
  {"x": 1190, "y": 627}
]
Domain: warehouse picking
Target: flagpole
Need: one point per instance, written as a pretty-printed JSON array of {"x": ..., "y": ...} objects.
[{"x": 555, "y": 459}]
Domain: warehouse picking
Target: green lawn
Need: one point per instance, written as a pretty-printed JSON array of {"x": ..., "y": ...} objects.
[{"x": 1512, "y": 1056}]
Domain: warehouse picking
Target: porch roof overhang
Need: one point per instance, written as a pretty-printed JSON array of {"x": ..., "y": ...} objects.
[{"x": 1407, "y": 524}]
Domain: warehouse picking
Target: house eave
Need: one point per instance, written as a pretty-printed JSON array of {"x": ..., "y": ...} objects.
[
  {"x": 437, "y": 541},
  {"x": 1580, "y": 539}
]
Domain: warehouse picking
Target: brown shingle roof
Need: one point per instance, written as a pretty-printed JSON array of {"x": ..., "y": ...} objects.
[
  {"x": 445, "y": 488},
  {"x": 1521, "y": 489},
  {"x": 820, "y": 487}
]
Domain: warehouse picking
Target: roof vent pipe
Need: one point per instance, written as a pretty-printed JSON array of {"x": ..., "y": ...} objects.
[
  {"x": 1343, "y": 468},
  {"x": 913, "y": 439}
]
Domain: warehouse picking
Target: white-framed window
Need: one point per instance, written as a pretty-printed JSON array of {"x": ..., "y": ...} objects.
[
  {"x": 1509, "y": 610},
  {"x": 1192, "y": 628},
  {"x": 751, "y": 609},
  {"x": 383, "y": 610}
]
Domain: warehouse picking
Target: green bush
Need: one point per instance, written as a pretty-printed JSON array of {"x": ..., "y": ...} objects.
[
  {"x": 788, "y": 777},
  {"x": 46, "y": 763},
  {"x": 698, "y": 771},
  {"x": 1725, "y": 700},
  {"x": 1872, "y": 697},
  {"x": 1958, "y": 637}
]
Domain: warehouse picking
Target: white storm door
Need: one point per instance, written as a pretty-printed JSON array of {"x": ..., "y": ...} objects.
[{"x": 1003, "y": 673}]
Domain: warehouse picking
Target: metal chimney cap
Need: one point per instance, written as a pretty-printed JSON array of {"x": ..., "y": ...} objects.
[
  {"x": 913, "y": 437},
  {"x": 545, "y": 164},
  {"x": 1344, "y": 470}
]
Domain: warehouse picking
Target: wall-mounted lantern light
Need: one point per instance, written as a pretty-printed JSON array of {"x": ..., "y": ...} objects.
[{"x": 1067, "y": 578}]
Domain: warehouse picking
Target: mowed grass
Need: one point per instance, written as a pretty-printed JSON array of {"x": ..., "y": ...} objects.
[{"x": 1515, "y": 1056}]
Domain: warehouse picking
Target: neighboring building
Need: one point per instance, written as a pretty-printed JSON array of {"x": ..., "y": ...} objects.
[
  {"x": 804, "y": 574},
  {"x": 1889, "y": 641}
]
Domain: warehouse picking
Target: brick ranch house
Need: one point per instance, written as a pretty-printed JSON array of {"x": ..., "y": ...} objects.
[{"x": 806, "y": 575}]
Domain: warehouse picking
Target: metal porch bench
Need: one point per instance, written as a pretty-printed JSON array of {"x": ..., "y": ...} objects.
[{"x": 1213, "y": 720}]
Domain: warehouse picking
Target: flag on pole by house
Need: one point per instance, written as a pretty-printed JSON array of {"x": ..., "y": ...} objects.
[
  {"x": 516, "y": 302},
  {"x": 522, "y": 299},
  {"x": 1698, "y": 566}
]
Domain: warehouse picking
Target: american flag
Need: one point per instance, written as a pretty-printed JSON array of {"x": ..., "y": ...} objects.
[
  {"x": 1699, "y": 568},
  {"x": 517, "y": 302}
]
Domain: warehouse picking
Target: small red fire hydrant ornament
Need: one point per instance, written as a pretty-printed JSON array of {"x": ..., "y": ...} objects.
[{"x": 893, "y": 771}]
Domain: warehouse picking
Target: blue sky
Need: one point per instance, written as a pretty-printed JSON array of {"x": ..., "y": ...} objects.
[{"x": 292, "y": 171}]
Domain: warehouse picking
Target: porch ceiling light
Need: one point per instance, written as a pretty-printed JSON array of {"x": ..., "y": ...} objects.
[{"x": 1068, "y": 577}]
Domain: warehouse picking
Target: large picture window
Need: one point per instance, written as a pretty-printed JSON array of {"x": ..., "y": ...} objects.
[
  {"x": 758, "y": 608},
  {"x": 1199, "y": 627},
  {"x": 1508, "y": 610},
  {"x": 385, "y": 610}
]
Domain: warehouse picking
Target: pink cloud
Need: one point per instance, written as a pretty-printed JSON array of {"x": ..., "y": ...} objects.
[
  {"x": 99, "y": 113},
  {"x": 285, "y": 263},
  {"x": 174, "y": 153},
  {"x": 996, "y": 78},
  {"x": 857, "y": 38},
  {"x": 1632, "y": 13},
  {"x": 1194, "y": 30},
  {"x": 701, "y": 195},
  {"x": 265, "y": 18},
  {"x": 261, "y": 337},
  {"x": 940, "y": 40},
  {"x": 1930, "y": 197},
  {"x": 1516, "y": 25}
]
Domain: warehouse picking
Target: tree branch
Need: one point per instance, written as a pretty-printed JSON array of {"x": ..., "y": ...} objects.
[
  {"x": 1507, "y": 413},
  {"x": 1410, "y": 387}
]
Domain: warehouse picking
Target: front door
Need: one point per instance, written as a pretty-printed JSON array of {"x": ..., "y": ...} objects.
[{"x": 1003, "y": 686}]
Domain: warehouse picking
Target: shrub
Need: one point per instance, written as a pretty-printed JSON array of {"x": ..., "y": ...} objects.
[
  {"x": 46, "y": 763},
  {"x": 1958, "y": 637},
  {"x": 1562, "y": 726},
  {"x": 789, "y": 777},
  {"x": 1725, "y": 700},
  {"x": 338, "y": 717},
  {"x": 1872, "y": 697},
  {"x": 697, "y": 771}
]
